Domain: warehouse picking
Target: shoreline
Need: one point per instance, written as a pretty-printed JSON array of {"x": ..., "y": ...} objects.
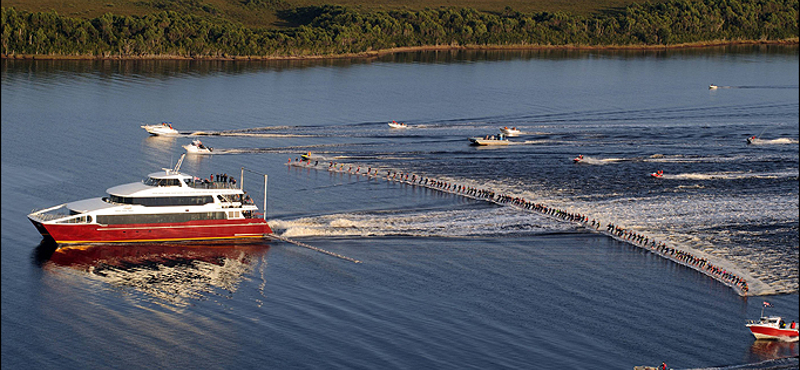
[{"x": 408, "y": 49}]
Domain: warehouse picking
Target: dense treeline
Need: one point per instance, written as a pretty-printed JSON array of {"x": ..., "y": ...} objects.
[{"x": 336, "y": 30}]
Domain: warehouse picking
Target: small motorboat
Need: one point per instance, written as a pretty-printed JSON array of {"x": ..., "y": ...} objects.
[
  {"x": 165, "y": 128},
  {"x": 395, "y": 124},
  {"x": 657, "y": 174},
  {"x": 510, "y": 131},
  {"x": 713, "y": 87},
  {"x": 490, "y": 140},
  {"x": 578, "y": 158},
  {"x": 197, "y": 147},
  {"x": 752, "y": 140},
  {"x": 773, "y": 327}
]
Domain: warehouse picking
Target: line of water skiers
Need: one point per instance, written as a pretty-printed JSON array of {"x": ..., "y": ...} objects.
[{"x": 686, "y": 258}]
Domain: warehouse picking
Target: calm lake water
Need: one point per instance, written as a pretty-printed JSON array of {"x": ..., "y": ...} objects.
[{"x": 447, "y": 282}]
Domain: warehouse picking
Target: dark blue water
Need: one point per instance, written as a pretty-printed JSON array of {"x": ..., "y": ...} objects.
[{"x": 446, "y": 281}]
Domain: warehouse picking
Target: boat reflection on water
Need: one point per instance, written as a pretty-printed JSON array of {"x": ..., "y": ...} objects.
[
  {"x": 764, "y": 349},
  {"x": 170, "y": 273}
]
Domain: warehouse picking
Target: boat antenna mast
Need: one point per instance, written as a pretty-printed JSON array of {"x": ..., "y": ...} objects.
[
  {"x": 177, "y": 165},
  {"x": 762, "y": 132},
  {"x": 265, "y": 186}
]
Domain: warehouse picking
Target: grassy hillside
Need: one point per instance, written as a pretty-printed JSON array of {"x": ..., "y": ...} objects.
[
  {"x": 263, "y": 13},
  {"x": 274, "y": 29}
]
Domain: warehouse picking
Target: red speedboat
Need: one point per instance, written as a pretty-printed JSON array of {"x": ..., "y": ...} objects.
[
  {"x": 773, "y": 327},
  {"x": 578, "y": 158},
  {"x": 657, "y": 174}
]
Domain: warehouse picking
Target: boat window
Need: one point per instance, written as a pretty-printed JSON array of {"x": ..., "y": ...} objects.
[
  {"x": 162, "y": 182},
  {"x": 77, "y": 220},
  {"x": 159, "y": 218},
  {"x": 162, "y": 201}
]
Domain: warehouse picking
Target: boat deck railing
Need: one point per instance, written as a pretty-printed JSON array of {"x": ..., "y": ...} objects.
[
  {"x": 49, "y": 214},
  {"x": 212, "y": 185},
  {"x": 45, "y": 217}
]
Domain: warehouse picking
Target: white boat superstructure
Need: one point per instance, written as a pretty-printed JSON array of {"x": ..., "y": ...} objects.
[
  {"x": 395, "y": 124},
  {"x": 165, "y": 128},
  {"x": 488, "y": 140},
  {"x": 197, "y": 147},
  {"x": 513, "y": 131}
]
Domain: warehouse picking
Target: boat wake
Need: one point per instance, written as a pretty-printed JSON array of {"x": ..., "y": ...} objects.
[
  {"x": 789, "y": 363},
  {"x": 731, "y": 175},
  {"x": 779, "y": 141},
  {"x": 466, "y": 222},
  {"x": 660, "y": 158},
  {"x": 531, "y": 142},
  {"x": 703, "y": 226},
  {"x": 587, "y": 160}
]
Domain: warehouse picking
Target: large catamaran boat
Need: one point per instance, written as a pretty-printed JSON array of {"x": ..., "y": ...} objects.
[{"x": 168, "y": 206}]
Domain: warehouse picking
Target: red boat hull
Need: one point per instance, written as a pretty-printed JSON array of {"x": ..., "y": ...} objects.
[
  {"x": 768, "y": 332},
  {"x": 163, "y": 232}
]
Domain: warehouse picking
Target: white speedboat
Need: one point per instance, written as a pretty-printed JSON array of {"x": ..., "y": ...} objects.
[
  {"x": 197, "y": 147},
  {"x": 489, "y": 140},
  {"x": 713, "y": 87},
  {"x": 510, "y": 131},
  {"x": 168, "y": 206},
  {"x": 165, "y": 128},
  {"x": 395, "y": 124},
  {"x": 773, "y": 327}
]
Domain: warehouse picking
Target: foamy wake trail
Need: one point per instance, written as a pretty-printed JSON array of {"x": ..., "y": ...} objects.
[
  {"x": 701, "y": 225},
  {"x": 660, "y": 158},
  {"x": 587, "y": 160},
  {"x": 789, "y": 363},
  {"x": 731, "y": 175},
  {"x": 422, "y": 223},
  {"x": 780, "y": 141}
]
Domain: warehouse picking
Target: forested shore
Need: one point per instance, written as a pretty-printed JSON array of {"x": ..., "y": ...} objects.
[{"x": 336, "y": 31}]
